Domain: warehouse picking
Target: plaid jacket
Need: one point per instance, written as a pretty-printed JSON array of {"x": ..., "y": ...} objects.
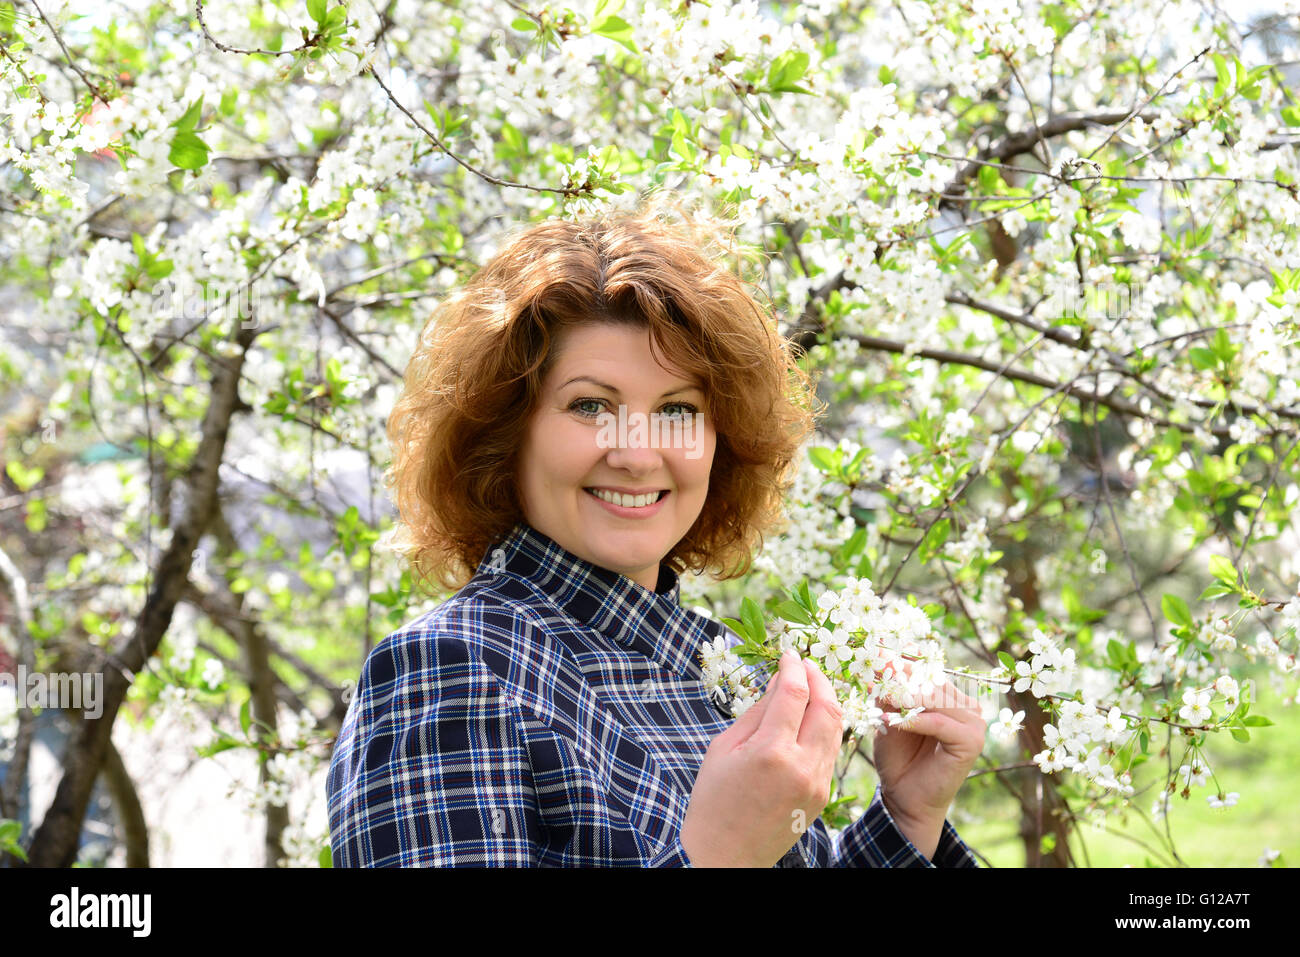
[{"x": 550, "y": 713}]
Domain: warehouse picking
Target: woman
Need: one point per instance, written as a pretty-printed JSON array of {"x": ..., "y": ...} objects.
[{"x": 551, "y": 712}]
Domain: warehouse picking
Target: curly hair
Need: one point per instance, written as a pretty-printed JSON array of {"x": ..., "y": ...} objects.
[{"x": 476, "y": 374}]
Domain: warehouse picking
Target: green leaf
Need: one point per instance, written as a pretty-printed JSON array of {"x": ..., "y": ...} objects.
[
  {"x": 1221, "y": 70},
  {"x": 1291, "y": 115},
  {"x": 1117, "y": 653},
  {"x": 324, "y": 858},
  {"x": 933, "y": 541},
  {"x": 683, "y": 148},
  {"x": 737, "y": 626},
  {"x": 793, "y": 611},
  {"x": 188, "y": 151},
  {"x": 1223, "y": 347},
  {"x": 853, "y": 546},
  {"x": 36, "y": 515},
  {"x": 524, "y": 25},
  {"x": 1256, "y": 721},
  {"x": 316, "y": 10},
  {"x": 216, "y": 747},
  {"x": 752, "y": 616},
  {"x": 1215, "y": 591},
  {"x": 514, "y": 140},
  {"x": 822, "y": 457},
  {"x": 22, "y": 476},
  {"x": 1144, "y": 740},
  {"x": 1176, "y": 610},
  {"x": 1221, "y": 568},
  {"x": 616, "y": 29},
  {"x": 786, "y": 70},
  {"x": 1240, "y": 734},
  {"x": 1203, "y": 358},
  {"x": 159, "y": 269},
  {"x": 1076, "y": 609},
  {"x": 1007, "y": 661},
  {"x": 189, "y": 120},
  {"x": 246, "y": 715}
]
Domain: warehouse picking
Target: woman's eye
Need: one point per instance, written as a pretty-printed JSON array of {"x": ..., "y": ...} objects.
[{"x": 590, "y": 408}]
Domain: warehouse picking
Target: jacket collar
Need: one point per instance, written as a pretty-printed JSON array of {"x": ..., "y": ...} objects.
[{"x": 650, "y": 622}]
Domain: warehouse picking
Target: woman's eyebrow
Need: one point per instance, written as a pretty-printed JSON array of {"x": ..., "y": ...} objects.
[{"x": 686, "y": 387}]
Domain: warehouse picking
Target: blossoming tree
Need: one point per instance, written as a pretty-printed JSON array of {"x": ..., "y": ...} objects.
[{"x": 1042, "y": 255}]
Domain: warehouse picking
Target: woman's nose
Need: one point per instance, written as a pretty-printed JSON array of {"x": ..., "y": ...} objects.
[
  {"x": 633, "y": 442},
  {"x": 635, "y": 458}
]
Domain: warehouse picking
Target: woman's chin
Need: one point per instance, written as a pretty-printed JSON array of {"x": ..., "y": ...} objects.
[{"x": 627, "y": 557}]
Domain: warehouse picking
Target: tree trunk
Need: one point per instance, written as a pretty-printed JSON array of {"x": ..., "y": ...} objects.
[
  {"x": 135, "y": 831},
  {"x": 56, "y": 841},
  {"x": 262, "y": 683},
  {"x": 1045, "y": 818},
  {"x": 15, "y": 784},
  {"x": 1044, "y": 812}
]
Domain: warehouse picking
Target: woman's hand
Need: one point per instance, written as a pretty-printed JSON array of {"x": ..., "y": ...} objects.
[
  {"x": 768, "y": 776},
  {"x": 922, "y": 764}
]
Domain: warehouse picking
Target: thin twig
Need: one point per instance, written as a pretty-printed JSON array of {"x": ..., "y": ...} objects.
[
  {"x": 308, "y": 44},
  {"x": 94, "y": 89},
  {"x": 486, "y": 177}
]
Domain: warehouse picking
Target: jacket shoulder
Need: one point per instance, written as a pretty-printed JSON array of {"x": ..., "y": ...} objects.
[{"x": 500, "y": 625}]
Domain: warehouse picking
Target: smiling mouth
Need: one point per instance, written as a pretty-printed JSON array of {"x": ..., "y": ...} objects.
[{"x": 627, "y": 501}]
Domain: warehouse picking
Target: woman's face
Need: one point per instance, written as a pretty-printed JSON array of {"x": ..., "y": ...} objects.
[{"x": 570, "y": 457}]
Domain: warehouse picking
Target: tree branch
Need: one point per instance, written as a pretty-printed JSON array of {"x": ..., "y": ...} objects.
[{"x": 94, "y": 89}]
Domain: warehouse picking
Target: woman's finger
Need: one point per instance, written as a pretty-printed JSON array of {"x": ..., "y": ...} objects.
[
  {"x": 784, "y": 715},
  {"x": 745, "y": 726},
  {"x": 822, "y": 728}
]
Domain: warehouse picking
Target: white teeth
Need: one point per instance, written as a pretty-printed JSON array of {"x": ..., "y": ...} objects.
[{"x": 626, "y": 501}]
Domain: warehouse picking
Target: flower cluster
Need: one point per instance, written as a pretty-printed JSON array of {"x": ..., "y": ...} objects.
[
  {"x": 1007, "y": 726},
  {"x": 725, "y": 675},
  {"x": 818, "y": 522},
  {"x": 1049, "y": 669},
  {"x": 881, "y": 655},
  {"x": 1194, "y": 774},
  {"x": 1218, "y": 635},
  {"x": 1083, "y": 740},
  {"x": 1196, "y": 702}
]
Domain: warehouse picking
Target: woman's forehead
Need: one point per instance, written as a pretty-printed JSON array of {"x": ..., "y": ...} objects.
[{"x": 612, "y": 354}]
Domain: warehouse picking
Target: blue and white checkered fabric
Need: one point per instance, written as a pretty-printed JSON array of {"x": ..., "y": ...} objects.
[{"x": 550, "y": 713}]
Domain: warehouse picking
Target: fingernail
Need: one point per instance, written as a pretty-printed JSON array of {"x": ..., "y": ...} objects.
[{"x": 789, "y": 656}]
